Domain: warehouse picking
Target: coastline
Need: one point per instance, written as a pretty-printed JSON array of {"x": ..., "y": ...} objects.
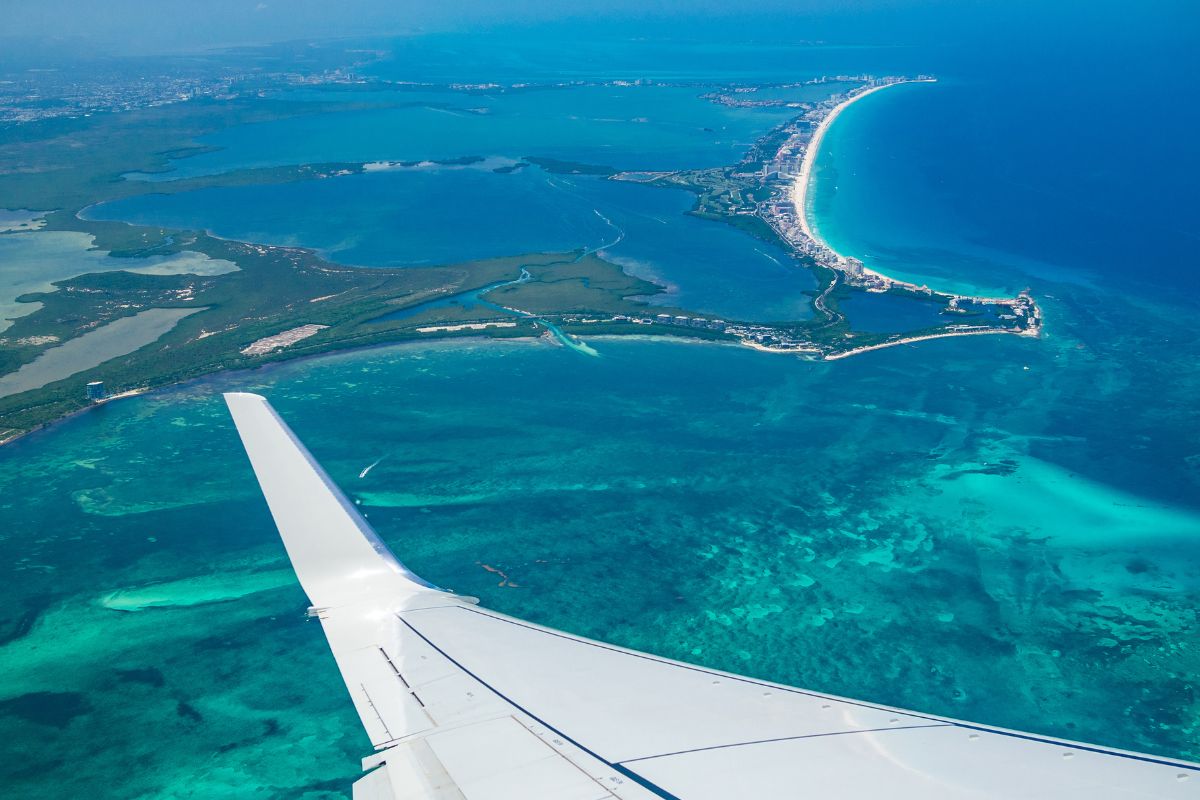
[
  {"x": 765, "y": 194},
  {"x": 802, "y": 184},
  {"x": 787, "y": 213},
  {"x": 9, "y": 436},
  {"x": 478, "y": 337},
  {"x": 922, "y": 338},
  {"x": 21, "y": 434}
]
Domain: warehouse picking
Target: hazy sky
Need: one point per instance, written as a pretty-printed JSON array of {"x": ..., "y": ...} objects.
[{"x": 167, "y": 25}]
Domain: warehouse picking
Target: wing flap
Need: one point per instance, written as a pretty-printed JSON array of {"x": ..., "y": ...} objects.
[
  {"x": 502, "y": 760},
  {"x": 387, "y": 707},
  {"x": 375, "y": 785},
  {"x": 409, "y": 771}
]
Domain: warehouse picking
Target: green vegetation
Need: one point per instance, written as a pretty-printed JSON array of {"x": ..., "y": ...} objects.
[
  {"x": 68, "y": 164},
  {"x": 561, "y": 167},
  {"x": 63, "y": 166},
  {"x": 588, "y": 284},
  {"x": 278, "y": 289},
  {"x": 727, "y": 194}
]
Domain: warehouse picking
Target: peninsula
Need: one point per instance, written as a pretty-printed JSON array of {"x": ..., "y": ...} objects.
[
  {"x": 235, "y": 304},
  {"x": 767, "y": 195}
]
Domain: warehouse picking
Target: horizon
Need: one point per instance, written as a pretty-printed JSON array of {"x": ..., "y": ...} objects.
[{"x": 135, "y": 28}]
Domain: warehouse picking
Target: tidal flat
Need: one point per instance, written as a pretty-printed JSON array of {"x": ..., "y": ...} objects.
[{"x": 117, "y": 338}]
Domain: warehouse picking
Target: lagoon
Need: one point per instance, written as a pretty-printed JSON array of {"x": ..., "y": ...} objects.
[
  {"x": 92, "y": 349},
  {"x": 625, "y": 127},
  {"x": 32, "y": 262},
  {"x": 446, "y": 214}
]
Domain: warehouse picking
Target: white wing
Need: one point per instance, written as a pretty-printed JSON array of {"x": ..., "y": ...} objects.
[{"x": 461, "y": 702}]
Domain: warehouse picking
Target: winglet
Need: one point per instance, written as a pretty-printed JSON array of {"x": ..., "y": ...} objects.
[{"x": 338, "y": 558}]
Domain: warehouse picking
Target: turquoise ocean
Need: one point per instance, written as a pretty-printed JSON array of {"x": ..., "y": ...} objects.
[{"x": 993, "y": 528}]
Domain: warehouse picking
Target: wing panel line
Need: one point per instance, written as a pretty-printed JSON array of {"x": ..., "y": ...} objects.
[
  {"x": 784, "y": 739},
  {"x": 1078, "y": 746},
  {"x": 378, "y": 716},
  {"x": 702, "y": 670},
  {"x": 633, "y": 776},
  {"x": 728, "y": 676}
]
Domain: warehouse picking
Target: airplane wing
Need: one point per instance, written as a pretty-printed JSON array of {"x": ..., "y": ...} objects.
[{"x": 462, "y": 703}]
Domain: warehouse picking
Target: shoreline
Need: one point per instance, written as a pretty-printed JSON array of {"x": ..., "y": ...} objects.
[
  {"x": 787, "y": 213},
  {"x": 800, "y": 186},
  {"x": 475, "y": 338},
  {"x": 226, "y": 373},
  {"x": 12, "y": 437},
  {"x": 800, "y": 190},
  {"x": 922, "y": 338},
  {"x": 814, "y": 354},
  {"x": 783, "y": 165},
  {"x": 478, "y": 337}
]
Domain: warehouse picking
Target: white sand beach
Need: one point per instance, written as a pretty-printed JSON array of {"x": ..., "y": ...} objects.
[{"x": 800, "y": 187}]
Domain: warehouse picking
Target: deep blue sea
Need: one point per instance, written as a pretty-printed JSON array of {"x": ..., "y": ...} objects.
[
  {"x": 993, "y": 528},
  {"x": 1069, "y": 171}
]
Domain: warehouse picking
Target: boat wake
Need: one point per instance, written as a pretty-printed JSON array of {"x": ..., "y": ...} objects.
[
  {"x": 620, "y": 234},
  {"x": 371, "y": 466}
]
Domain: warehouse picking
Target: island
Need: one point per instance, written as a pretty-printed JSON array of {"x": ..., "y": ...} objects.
[{"x": 274, "y": 303}]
